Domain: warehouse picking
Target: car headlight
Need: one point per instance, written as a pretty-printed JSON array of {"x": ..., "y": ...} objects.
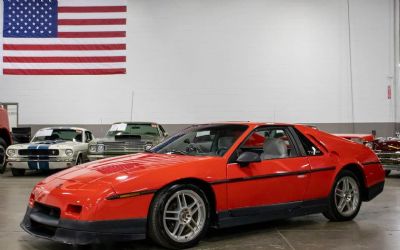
[
  {"x": 69, "y": 152},
  {"x": 100, "y": 148},
  {"x": 93, "y": 148},
  {"x": 369, "y": 144},
  {"x": 11, "y": 152}
]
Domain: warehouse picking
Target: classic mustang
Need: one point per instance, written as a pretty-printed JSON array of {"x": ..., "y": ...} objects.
[
  {"x": 212, "y": 175},
  {"x": 126, "y": 138},
  {"x": 50, "y": 148}
]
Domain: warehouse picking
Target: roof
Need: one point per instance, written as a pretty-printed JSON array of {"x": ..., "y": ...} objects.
[
  {"x": 72, "y": 128},
  {"x": 135, "y": 122}
]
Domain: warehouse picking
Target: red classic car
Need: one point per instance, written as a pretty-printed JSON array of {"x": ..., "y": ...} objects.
[
  {"x": 386, "y": 148},
  {"x": 211, "y": 175}
]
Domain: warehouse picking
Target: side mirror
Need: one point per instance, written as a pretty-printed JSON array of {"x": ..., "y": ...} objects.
[{"x": 246, "y": 158}]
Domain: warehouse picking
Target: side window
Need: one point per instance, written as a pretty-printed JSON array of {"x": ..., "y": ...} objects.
[
  {"x": 270, "y": 143},
  {"x": 89, "y": 137},
  {"x": 308, "y": 146}
]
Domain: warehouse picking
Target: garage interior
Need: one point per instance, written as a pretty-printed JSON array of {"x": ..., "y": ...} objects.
[{"x": 332, "y": 64}]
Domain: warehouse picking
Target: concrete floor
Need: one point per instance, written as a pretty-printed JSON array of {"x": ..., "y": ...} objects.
[{"x": 376, "y": 227}]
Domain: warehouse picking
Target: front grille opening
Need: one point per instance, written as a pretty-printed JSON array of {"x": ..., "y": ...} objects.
[
  {"x": 47, "y": 210},
  {"x": 37, "y": 152},
  {"x": 42, "y": 229}
]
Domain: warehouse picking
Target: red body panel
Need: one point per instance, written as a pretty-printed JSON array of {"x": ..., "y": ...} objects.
[
  {"x": 90, "y": 184},
  {"x": 5, "y": 126}
]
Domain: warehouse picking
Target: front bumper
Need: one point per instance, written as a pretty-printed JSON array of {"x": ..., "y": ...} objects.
[
  {"x": 40, "y": 164},
  {"x": 99, "y": 157},
  {"x": 373, "y": 191},
  {"x": 77, "y": 232},
  {"x": 389, "y": 160}
]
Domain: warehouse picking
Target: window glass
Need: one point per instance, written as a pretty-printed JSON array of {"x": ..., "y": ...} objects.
[
  {"x": 133, "y": 129},
  {"x": 207, "y": 140},
  {"x": 88, "y": 136},
  {"x": 270, "y": 143},
  {"x": 308, "y": 146},
  {"x": 58, "y": 135}
]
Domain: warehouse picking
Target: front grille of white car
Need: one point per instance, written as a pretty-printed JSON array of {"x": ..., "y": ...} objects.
[
  {"x": 131, "y": 146},
  {"x": 39, "y": 152}
]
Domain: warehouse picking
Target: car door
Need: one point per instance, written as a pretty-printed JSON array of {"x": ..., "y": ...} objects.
[{"x": 280, "y": 177}]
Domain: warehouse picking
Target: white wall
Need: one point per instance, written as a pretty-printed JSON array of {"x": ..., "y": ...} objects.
[{"x": 205, "y": 60}]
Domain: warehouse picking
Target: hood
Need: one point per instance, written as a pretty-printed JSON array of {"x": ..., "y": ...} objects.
[
  {"x": 113, "y": 139},
  {"x": 45, "y": 144},
  {"x": 118, "y": 169}
]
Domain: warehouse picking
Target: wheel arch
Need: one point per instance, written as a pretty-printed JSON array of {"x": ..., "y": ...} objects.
[
  {"x": 358, "y": 171},
  {"x": 80, "y": 154},
  {"x": 203, "y": 185}
]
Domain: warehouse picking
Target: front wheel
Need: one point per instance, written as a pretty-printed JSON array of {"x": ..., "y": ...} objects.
[
  {"x": 345, "y": 198},
  {"x": 17, "y": 172},
  {"x": 179, "y": 216}
]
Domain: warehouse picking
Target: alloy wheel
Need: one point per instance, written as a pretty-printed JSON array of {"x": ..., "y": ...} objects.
[
  {"x": 184, "y": 216},
  {"x": 347, "y": 196}
]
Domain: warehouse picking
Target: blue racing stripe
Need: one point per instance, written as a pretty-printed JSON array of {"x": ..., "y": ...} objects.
[
  {"x": 32, "y": 164},
  {"x": 43, "y": 165}
]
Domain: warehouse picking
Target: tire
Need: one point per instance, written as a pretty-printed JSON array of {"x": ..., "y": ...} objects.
[
  {"x": 387, "y": 172},
  {"x": 344, "y": 203},
  {"x": 17, "y": 172},
  {"x": 3, "y": 156},
  {"x": 175, "y": 230}
]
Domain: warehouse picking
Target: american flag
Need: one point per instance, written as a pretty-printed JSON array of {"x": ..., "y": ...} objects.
[{"x": 64, "y": 37}]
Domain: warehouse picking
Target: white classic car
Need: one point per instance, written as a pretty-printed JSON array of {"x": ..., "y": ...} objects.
[{"x": 50, "y": 148}]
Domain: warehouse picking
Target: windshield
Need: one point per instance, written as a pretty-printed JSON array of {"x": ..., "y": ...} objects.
[
  {"x": 207, "y": 140},
  {"x": 58, "y": 135},
  {"x": 133, "y": 129}
]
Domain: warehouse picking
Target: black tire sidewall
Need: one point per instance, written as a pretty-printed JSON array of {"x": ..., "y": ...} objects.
[
  {"x": 18, "y": 172},
  {"x": 333, "y": 208},
  {"x": 157, "y": 215}
]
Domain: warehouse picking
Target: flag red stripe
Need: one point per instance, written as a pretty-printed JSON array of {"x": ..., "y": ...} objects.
[
  {"x": 64, "y": 46},
  {"x": 82, "y": 9},
  {"x": 60, "y": 59},
  {"x": 115, "y": 21},
  {"x": 64, "y": 71},
  {"x": 92, "y": 34}
]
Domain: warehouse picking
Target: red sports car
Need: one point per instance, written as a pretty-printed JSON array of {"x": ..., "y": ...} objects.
[{"x": 212, "y": 175}]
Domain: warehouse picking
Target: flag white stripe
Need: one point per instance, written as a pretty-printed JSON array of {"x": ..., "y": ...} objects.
[
  {"x": 64, "y": 40},
  {"x": 90, "y": 28},
  {"x": 67, "y": 53},
  {"x": 106, "y": 15},
  {"x": 63, "y": 65},
  {"x": 64, "y": 3}
]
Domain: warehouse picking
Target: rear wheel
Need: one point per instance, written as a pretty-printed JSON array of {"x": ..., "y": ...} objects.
[
  {"x": 17, "y": 172},
  {"x": 345, "y": 198},
  {"x": 3, "y": 146},
  {"x": 179, "y": 216}
]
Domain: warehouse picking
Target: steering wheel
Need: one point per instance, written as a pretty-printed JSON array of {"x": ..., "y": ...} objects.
[{"x": 193, "y": 148}]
